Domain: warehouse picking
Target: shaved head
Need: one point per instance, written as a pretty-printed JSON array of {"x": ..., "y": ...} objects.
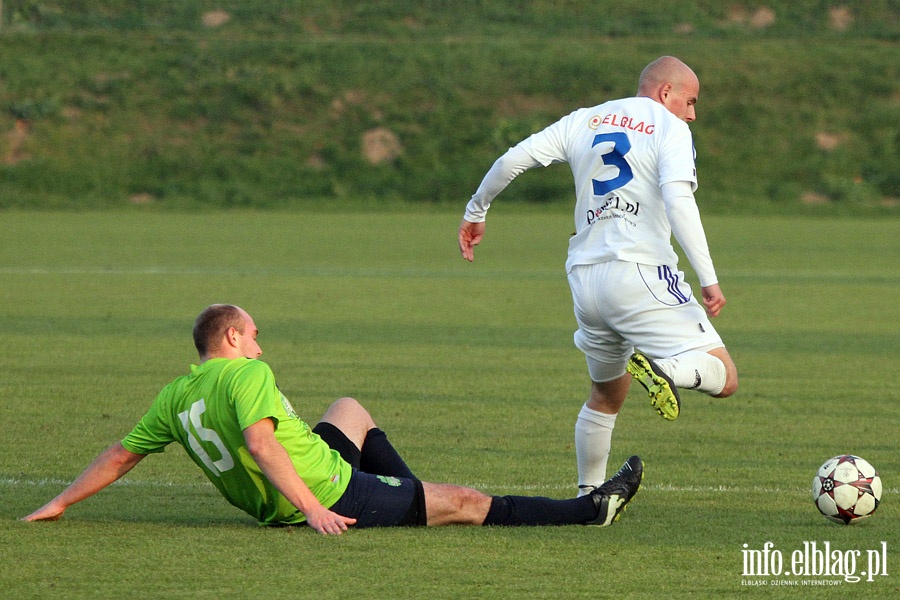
[
  {"x": 662, "y": 71},
  {"x": 673, "y": 84}
]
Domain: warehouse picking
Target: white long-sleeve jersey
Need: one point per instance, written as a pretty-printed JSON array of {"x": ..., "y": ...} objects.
[{"x": 633, "y": 166}]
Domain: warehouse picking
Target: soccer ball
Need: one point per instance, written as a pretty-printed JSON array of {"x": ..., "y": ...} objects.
[{"x": 846, "y": 489}]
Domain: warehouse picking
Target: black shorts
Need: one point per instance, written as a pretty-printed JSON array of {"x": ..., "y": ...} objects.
[{"x": 374, "y": 500}]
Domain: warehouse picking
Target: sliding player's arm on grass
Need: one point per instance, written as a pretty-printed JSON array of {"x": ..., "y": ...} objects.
[{"x": 112, "y": 464}]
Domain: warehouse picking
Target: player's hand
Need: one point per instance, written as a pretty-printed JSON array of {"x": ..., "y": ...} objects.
[
  {"x": 470, "y": 235},
  {"x": 48, "y": 512},
  {"x": 713, "y": 299},
  {"x": 327, "y": 522}
]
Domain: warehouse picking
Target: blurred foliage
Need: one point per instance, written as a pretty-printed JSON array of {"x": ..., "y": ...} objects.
[{"x": 266, "y": 104}]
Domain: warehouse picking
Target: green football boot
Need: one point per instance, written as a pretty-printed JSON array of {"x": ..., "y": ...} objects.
[{"x": 663, "y": 394}]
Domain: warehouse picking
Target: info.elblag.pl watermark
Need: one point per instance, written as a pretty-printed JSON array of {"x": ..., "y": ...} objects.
[{"x": 812, "y": 563}]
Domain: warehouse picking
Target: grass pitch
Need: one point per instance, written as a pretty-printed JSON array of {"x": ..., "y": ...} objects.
[{"x": 472, "y": 372}]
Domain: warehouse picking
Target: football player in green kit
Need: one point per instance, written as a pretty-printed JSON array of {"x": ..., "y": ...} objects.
[{"x": 237, "y": 426}]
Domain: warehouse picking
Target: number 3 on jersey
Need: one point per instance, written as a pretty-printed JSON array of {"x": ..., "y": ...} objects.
[
  {"x": 192, "y": 417},
  {"x": 613, "y": 157}
]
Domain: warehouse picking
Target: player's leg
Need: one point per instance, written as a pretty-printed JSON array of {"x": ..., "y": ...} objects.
[
  {"x": 594, "y": 429},
  {"x": 377, "y": 455},
  {"x": 448, "y": 504},
  {"x": 710, "y": 371},
  {"x": 731, "y": 374},
  {"x": 678, "y": 344},
  {"x": 607, "y": 354},
  {"x": 351, "y": 418}
]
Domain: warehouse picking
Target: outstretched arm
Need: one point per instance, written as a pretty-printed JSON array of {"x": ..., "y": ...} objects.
[
  {"x": 276, "y": 464},
  {"x": 112, "y": 464},
  {"x": 506, "y": 168}
]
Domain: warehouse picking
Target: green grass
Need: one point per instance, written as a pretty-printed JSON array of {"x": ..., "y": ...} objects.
[{"x": 471, "y": 370}]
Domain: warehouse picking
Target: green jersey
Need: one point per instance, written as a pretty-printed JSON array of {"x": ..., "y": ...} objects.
[{"x": 207, "y": 412}]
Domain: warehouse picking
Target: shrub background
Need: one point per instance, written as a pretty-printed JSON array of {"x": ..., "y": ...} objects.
[{"x": 281, "y": 104}]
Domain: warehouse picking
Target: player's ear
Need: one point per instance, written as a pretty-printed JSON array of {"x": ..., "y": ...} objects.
[
  {"x": 231, "y": 337},
  {"x": 664, "y": 91}
]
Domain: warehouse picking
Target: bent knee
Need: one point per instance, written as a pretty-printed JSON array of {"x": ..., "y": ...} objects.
[
  {"x": 731, "y": 386},
  {"x": 731, "y": 374},
  {"x": 351, "y": 417}
]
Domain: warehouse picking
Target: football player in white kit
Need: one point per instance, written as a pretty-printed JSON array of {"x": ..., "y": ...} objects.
[{"x": 633, "y": 164}]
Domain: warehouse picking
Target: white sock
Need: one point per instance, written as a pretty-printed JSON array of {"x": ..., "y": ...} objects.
[
  {"x": 593, "y": 440},
  {"x": 695, "y": 371}
]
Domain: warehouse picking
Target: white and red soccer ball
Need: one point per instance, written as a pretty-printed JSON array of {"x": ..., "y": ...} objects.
[{"x": 846, "y": 489}]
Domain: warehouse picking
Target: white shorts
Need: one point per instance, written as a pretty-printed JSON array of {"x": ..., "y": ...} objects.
[{"x": 620, "y": 306}]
